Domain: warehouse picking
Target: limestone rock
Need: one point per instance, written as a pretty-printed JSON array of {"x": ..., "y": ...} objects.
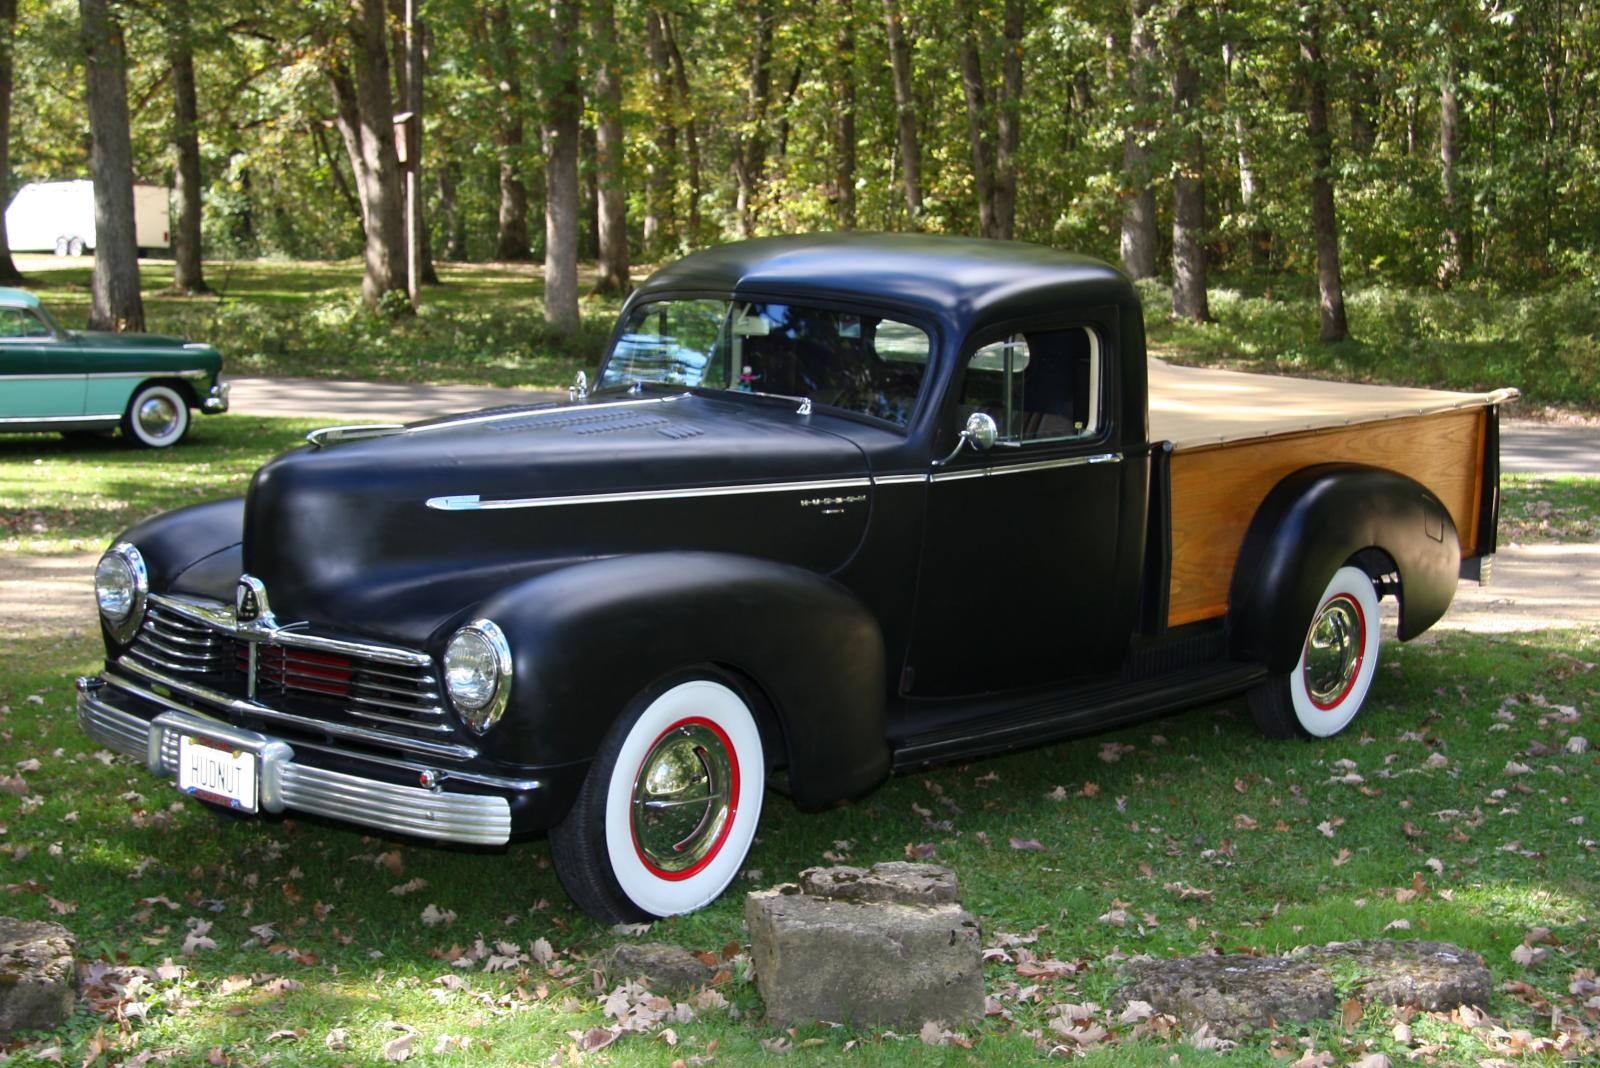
[
  {"x": 890, "y": 948},
  {"x": 38, "y": 975},
  {"x": 1233, "y": 995},
  {"x": 1236, "y": 995},
  {"x": 896, "y": 881},
  {"x": 661, "y": 967},
  {"x": 1432, "y": 976}
]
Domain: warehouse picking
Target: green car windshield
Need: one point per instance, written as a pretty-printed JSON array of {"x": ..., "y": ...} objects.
[{"x": 860, "y": 363}]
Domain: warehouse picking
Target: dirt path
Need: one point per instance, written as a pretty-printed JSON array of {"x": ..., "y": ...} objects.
[{"x": 1534, "y": 587}]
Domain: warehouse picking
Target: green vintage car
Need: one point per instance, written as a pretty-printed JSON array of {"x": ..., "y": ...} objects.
[{"x": 52, "y": 378}]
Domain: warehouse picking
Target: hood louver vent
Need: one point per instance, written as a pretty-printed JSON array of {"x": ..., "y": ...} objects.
[{"x": 600, "y": 423}]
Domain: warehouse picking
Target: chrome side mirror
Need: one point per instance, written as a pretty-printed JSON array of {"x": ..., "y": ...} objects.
[
  {"x": 981, "y": 433},
  {"x": 579, "y": 390}
]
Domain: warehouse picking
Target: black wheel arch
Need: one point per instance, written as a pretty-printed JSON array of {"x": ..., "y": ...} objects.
[
  {"x": 587, "y": 639},
  {"x": 1315, "y": 521}
]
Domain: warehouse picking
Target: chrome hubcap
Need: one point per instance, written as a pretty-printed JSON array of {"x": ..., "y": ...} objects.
[
  {"x": 1334, "y": 650},
  {"x": 682, "y": 798},
  {"x": 158, "y": 416}
]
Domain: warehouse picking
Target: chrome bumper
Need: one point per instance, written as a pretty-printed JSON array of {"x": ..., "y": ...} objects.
[
  {"x": 474, "y": 819},
  {"x": 216, "y": 401}
]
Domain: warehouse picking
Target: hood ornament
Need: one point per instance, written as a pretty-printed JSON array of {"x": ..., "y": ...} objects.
[
  {"x": 578, "y": 392},
  {"x": 250, "y": 607}
]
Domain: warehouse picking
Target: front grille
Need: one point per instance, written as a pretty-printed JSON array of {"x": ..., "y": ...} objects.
[
  {"x": 168, "y": 641},
  {"x": 370, "y": 690},
  {"x": 393, "y": 702}
]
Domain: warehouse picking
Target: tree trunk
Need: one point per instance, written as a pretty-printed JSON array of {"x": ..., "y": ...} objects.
[
  {"x": 844, "y": 129},
  {"x": 505, "y": 72},
  {"x": 562, "y": 107},
  {"x": 115, "y": 302},
  {"x": 1139, "y": 211},
  {"x": 364, "y": 113},
  {"x": 1009, "y": 123},
  {"x": 9, "y": 275},
  {"x": 1252, "y": 194},
  {"x": 750, "y": 155},
  {"x": 691, "y": 129},
  {"x": 589, "y": 188},
  {"x": 613, "y": 195},
  {"x": 455, "y": 227},
  {"x": 1457, "y": 251},
  {"x": 977, "y": 120},
  {"x": 905, "y": 106},
  {"x": 660, "y": 215},
  {"x": 187, "y": 273},
  {"x": 1324, "y": 221},
  {"x": 1188, "y": 180}
]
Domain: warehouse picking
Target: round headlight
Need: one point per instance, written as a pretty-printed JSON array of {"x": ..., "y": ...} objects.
[
  {"x": 120, "y": 584},
  {"x": 477, "y": 673}
]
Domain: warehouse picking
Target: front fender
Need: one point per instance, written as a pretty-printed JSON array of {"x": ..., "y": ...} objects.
[
  {"x": 587, "y": 639},
  {"x": 1311, "y": 524},
  {"x": 193, "y": 550}
]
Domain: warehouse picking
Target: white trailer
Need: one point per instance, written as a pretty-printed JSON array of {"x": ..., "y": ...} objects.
[{"x": 59, "y": 217}]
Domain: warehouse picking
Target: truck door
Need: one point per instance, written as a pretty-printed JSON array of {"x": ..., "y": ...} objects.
[{"x": 1020, "y": 582}]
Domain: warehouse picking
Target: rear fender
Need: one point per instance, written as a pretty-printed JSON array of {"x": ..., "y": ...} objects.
[
  {"x": 1311, "y": 524},
  {"x": 587, "y": 639}
]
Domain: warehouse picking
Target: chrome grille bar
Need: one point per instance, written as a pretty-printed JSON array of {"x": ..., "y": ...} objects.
[{"x": 243, "y": 707}]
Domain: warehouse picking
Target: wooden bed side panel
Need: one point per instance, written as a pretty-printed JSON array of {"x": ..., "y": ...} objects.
[{"x": 1216, "y": 490}]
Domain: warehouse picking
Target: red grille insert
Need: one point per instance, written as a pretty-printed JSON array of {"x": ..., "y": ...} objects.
[{"x": 297, "y": 669}]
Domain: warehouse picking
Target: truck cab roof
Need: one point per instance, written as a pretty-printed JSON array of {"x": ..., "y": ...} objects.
[{"x": 964, "y": 282}]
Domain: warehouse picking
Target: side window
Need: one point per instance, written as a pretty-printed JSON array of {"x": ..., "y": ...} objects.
[
  {"x": 18, "y": 322},
  {"x": 1037, "y": 385}
]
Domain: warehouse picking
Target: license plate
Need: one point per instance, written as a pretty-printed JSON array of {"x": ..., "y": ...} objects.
[{"x": 216, "y": 773}]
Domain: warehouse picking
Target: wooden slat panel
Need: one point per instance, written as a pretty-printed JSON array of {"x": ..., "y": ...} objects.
[{"x": 1216, "y": 490}]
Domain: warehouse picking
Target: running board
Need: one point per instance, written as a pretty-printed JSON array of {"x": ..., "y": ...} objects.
[{"x": 1064, "y": 715}]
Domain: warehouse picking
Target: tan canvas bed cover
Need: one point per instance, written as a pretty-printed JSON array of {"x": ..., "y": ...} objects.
[
  {"x": 1236, "y": 435},
  {"x": 1194, "y": 406}
]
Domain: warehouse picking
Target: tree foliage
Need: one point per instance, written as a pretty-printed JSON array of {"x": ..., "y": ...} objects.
[{"x": 1458, "y": 138}]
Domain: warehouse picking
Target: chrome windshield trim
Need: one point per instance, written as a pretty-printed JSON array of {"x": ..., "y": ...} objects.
[
  {"x": 220, "y": 616},
  {"x": 533, "y": 409},
  {"x": 242, "y": 707},
  {"x": 1025, "y": 468},
  {"x": 474, "y": 503}
]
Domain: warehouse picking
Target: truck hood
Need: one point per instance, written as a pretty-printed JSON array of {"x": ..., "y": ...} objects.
[{"x": 402, "y": 534}]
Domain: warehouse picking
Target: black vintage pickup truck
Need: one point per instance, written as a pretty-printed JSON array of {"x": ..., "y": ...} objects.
[{"x": 836, "y": 506}]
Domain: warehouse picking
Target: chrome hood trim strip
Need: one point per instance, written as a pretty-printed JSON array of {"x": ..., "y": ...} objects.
[{"x": 474, "y": 503}]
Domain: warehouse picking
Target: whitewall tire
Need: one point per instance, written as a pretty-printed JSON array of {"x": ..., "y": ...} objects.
[
  {"x": 669, "y": 809},
  {"x": 157, "y": 417},
  {"x": 1338, "y": 661}
]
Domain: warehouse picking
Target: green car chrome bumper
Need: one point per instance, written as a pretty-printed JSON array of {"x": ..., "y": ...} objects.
[{"x": 215, "y": 402}]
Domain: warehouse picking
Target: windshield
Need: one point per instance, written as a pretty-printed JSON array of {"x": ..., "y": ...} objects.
[{"x": 861, "y": 363}]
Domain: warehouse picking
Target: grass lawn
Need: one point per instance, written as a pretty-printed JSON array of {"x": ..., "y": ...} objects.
[
  {"x": 1456, "y": 809},
  {"x": 485, "y": 325},
  {"x": 1459, "y": 805},
  {"x": 1545, "y": 343}
]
